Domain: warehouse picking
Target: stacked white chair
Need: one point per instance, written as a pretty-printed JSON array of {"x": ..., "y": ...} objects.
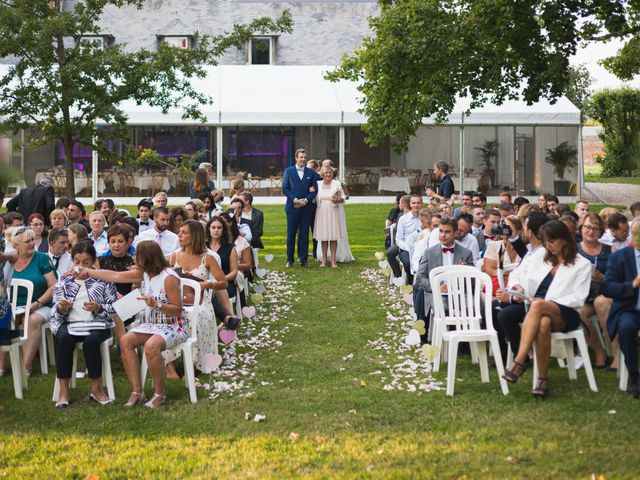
[
  {"x": 16, "y": 349},
  {"x": 465, "y": 301},
  {"x": 185, "y": 348}
]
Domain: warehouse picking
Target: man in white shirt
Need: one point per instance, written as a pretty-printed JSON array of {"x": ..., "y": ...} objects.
[
  {"x": 490, "y": 220},
  {"x": 58, "y": 255},
  {"x": 477, "y": 212},
  {"x": 422, "y": 240},
  {"x": 406, "y": 232},
  {"x": 463, "y": 236},
  {"x": 618, "y": 235},
  {"x": 167, "y": 240},
  {"x": 144, "y": 215},
  {"x": 97, "y": 223}
]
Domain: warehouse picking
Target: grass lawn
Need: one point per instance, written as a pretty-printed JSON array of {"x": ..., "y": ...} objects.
[
  {"x": 322, "y": 421},
  {"x": 592, "y": 174}
]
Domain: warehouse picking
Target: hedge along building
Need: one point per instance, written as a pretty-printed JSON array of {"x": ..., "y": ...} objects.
[{"x": 271, "y": 98}]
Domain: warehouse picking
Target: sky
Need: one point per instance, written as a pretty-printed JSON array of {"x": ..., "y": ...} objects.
[{"x": 602, "y": 78}]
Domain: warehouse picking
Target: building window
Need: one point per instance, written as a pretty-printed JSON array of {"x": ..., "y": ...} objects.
[
  {"x": 177, "y": 41},
  {"x": 95, "y": 41},
  {"x": 333, "y": 140},
  {"x": 262, "y": 51}
]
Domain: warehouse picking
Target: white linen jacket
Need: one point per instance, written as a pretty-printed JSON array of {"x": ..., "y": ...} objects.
[{"x": 570, "y": 285}]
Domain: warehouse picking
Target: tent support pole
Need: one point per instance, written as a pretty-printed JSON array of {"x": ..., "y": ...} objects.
[
  {"x": 462, "y": 157},
  {"x": 219, "y": 157},
  {"x": 341, "y": 165},
  {"x": 580, "y": 162},
  {"x": 94, "y": 174}
]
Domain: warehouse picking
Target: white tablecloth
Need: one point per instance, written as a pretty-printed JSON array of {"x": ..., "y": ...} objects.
[
  {"x": 145, "y": 182},
  {"x": 394, "y": 184},
  {"x": 471, "y": 183},
  {"x": 81, "y": 181}
]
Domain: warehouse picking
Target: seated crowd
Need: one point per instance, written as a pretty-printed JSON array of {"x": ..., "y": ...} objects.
[
  {"x": 81, "y": 264},
  {"x": 564, "y": 269}
]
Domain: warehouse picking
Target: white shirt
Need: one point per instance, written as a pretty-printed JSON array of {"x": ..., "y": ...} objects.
[
  {"x": 300, "y": 172},
  {"x": 65, "y": 262},
  {"x": 247, "y": 215},
  {"x": 608, "y": 239},
  {"x": 407, "y": 230},
  {"x": 447, "y": 259},
  {"x": 418, "y": 250},
  {"x": 167, "y": 240},
  {"x": 101, "y": 244},
  {"x": 469, "y": 242},
  {"x": 245, "y": 230},
  {"x": 144, "y": 228},
  {"x": 77, "y": 313}
]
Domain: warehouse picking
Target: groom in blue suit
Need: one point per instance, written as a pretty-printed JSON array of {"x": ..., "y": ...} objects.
[
  {"x": 622, "y": 283},
  {"x": 300, "y": 187}
]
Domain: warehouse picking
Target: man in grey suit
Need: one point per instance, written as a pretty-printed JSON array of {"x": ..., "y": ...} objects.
[{"x": 446, "y": 253}]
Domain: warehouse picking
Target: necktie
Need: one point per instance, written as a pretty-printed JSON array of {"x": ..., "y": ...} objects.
[
  {"x": 144, "y": 223},
  {"x": 445, "y": 250},
  {"x": 56, "y": 261}
]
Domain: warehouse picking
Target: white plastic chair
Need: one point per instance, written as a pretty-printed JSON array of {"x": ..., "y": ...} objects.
[
  {"x": 107, "y": 376},
  {"x": 185, "y": 348},
  {"x": 46, "y": 348},
  {"x": 567, "y": 340},
  {"x": 464, "y": 301},
  {"x": 19, "y": 373}
]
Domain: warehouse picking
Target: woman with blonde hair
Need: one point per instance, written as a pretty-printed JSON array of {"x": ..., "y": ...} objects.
[
  {"x": 327, "y": 228},
  {"x": 237, "y": 187},
  {"x": 58, "y": 218}
]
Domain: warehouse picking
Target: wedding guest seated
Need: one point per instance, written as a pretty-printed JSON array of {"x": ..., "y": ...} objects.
[
  {"x": 177, "y": 217},
  {"x": 506, "y": 209},
  {"x": 501, "y": 253},
  {"x": 479, "y": 199},
  {"x": 97, "y": 221},
  {"x": 13, "y": 219},
  {"x": 58, "y": 218},
  {"x": 463, "y": 236},
  {"x": 63, "y": 204},
  {"x": 542, "y": 201},
  {"x": 35, "y": 267},
  {"x": 77, "y": 213},
  {"x": 572, "y": 224},
  {"x": 218, "y": 197},
  {"x": 219, "y": 240},
  {"x": 242, "y": 246},
  {"x": 621, "y": 283},
  {"x": 191, "y": 211},
  {"x": 209, "y": 205},
  {"x": 102, "y": 205},
  {"x": 467, "y": 202},
  {"x": 618, "y": 234},
  {"x": 596, "y": 304},
  {"x": 159, "y": 233},
  {"x": 237, "y": 205},
  {"x": 505, "y": 197},
  {"x": 402, "y": 207},
  {"x": 254, "y": 218},
  {"x": 77, "y": 233},
  {"x": 446, "y": 252},
  {"x": 477, "y": 213},
  {"x": 59, "y": 256},
  {"x": 406, "y": 231},
  {"x": 581, "y": 209},
  {"x": 165, "y": 325},
  {"x": 420, "y": 246},
  {"x": 634, "y": 208},
  {"x": 36, "y": 222},
  {"x": 161, "y": 199},
  {"x": 82, "y": 312},
  {"x": 519, "y": 202},
  {"x": 491, "y": 220},
  {"x": 144, "y": 215},
  {"x": 118, "y": 259},
  {"x": 552, "y": 204},
  {"x": 556, "y": 283}
]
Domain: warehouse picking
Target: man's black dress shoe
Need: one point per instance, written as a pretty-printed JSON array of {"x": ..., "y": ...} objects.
[
  {"x": 634, "y": 385},
  {"x": 304, "y": 263},
  {"x": 289, "y": 264}
]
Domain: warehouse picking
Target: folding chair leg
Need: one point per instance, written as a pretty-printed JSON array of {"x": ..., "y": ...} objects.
[
  {"x": 509, "y": 357},
  {"x": 473, "y": 347},
  {"x": 584, "y": 353},
  {"x": 187, "y": 355},
  {"x": 623, "y": 372},
  {"x": 481, "y": 350},
  {"x": 495, "y": 346},
  {"x": 16, "y": 371},
  {"x": 44, "y": 366},
  {"x": 51, "y": 348},
  {"x": 571, "y": 360},
  {"x": 451, "y": 368},
  {"x": 437, "y": 342},
  {"x": 107, "y": 376},
  {"x": 22, "y": 369}
]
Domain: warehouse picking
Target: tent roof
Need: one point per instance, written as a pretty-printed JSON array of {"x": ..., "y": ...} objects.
[{"x": 299, "y": 95}]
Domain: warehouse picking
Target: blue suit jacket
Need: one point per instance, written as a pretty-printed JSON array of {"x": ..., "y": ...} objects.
[
  {"x": 621, "y": 270},
  {"x": 294, "y": 188}
]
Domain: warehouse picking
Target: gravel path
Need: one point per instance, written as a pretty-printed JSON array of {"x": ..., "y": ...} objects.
[{"x": 614, "y": 193}]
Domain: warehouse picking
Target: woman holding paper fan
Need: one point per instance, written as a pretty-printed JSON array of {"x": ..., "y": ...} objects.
[
  {"x": 327, "y": 228},
  {"x": 193, "y": 261},
  {"x": 82, "y": 311},
  {"x": 166, "y": 324}
]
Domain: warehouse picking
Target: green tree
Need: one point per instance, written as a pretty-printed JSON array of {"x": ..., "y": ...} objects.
[
  {"x": 578, "y": 88},
  {"x": 618, "y": 111},
  {"x": 425, "y": 54},
  {"x": 65, "y": 88}
]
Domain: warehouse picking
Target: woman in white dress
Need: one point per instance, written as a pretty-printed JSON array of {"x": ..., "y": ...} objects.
[
  {"x": 166, "y": 323},
  {"x": 194, "y": 262},
  {"x": 327, "y": 227}
]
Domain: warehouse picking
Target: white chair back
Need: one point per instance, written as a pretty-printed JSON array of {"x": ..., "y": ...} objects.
[
  {"x": 16, "y": 284},
  {"x": 468, "y": 293},
  {"x": 193, "y": 317}
]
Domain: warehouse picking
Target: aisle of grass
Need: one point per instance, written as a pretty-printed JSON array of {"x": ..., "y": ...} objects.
[{"x": 320, "y": 421}]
